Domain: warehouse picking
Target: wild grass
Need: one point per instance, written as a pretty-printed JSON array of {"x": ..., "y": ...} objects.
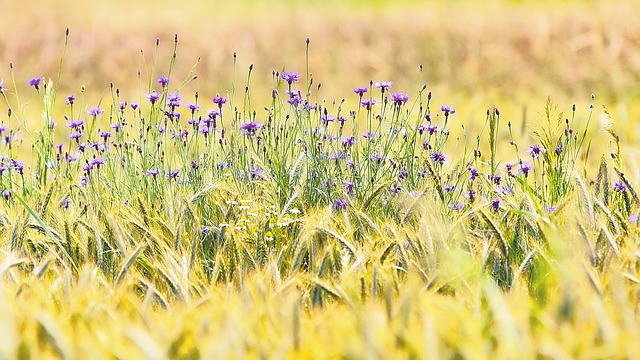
[{"x": 170, "y": 224}]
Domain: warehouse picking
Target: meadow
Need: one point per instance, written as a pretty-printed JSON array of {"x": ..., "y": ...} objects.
[{"x": 316, "y": 180}]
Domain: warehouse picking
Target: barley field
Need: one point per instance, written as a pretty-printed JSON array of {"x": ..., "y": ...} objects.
[{"x": 339, "y": 179}]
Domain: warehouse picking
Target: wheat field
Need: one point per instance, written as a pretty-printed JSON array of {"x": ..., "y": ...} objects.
[{"x": 360, "y": 180}]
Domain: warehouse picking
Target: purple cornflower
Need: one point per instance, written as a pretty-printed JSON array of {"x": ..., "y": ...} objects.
[
  {"x": 249, "y": 128},
  {"x": 173, "y": 100},
  {"x": 75, "y": 136},
  {"x": 116, "y": 127},
  {"x": 172, "y": 174},
  {"x": 153, "y": 97},
  {"x": 433, "y": 129},
  {"x": 342, "y": 120},
  {"x": 163, "y": 81},
  {"x": 550, "y": 209},
  {"x": 75, "y": 124},
  {"x": 377, "y": 158},
  {"x": 368, "y": 103},
  {"x": 536, "y": 150},
  {"x": 95, "y": 111},
  {"x": 403, "y": 174},
  {"x": 508, "y": 167},
  {"x": 473, "y": 174},
  {"x": 399, "y": 98},
  {"x": 18, "y": 166},
  {"x": 384, "y": 85},
  {"x": 505, "y": 190},
  {"x": 6, "y": 194},
  {"x": 204, "y": 129},
  {"x": 619, "y": 186},
  {"x": 471, "y": 195},
  {"x": 370, "y": 135},
  {"x": 633, "y": 219},
  {"x": 104, "y": 135},
  {"x": 495, "y": 204},
  {"x": 213, "y": 113},
  {"x": 192, "y": 107},
  {"x": 361, "y": 91},
  {"x": 426, "y": 145},
  {"x": 340, "y": 204},
  {"x": 348, "y": 141},
  {"x": 294, "y": 97},
  {"x": 70, "y": 99},
  {"x": 457, "y": 207},
  {"x": 256, "y": 172},
  {"x": 3, "y": 128},
  {"x": 524, "y": 168},
  {"x": 349, "y": 187},
  {"x": 65, "y": 203},
  {"x": 2, "y": 88},
  {"x": 122, "y": 105},
  {"x": 437, "y": 157},
  {"x": 97, "y": 162},
  {"x": 35, "y": 82},
  {"x": 290, "y": 77},
  {"x": 134, "y": 105},
  {"x": 327, "y": 118},
  {"x": 153, "y": 172},
  {"x": 447, "y": 110},
  {"x": 219, "y": 100},
  {"x": 449, "y": 188}
]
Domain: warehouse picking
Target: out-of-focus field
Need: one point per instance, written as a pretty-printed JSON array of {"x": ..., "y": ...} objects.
[{"x": 512, "y": 51}]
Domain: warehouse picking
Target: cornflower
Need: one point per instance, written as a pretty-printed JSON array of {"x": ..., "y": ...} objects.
[{"x": 290, "y": 77}]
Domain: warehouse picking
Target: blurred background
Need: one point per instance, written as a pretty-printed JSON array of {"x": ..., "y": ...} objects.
[{"x": 475, "y": 54}]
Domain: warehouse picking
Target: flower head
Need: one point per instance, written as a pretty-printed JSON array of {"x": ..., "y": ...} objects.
[
  {"x": 219, "y": 100},
  {"x": 153, "y": 97},
  {"x": 447, "y": 110},
  {"x": 399, "y": 98},
  {"x": 495, "y": 204},
  {"x": 384, "y": 85},
  {"x": 536, "y": 150},
  {"x": 163, "y": 81},
  {"x": 619, "y": 186},
  {"x": 361, "y": 90},
  {"x": 340, "y": 204},
  {"x": 192, "y": 107},
  {"x": 327, "y": 118},
  {"x": 437, "y": 157},
  {"x": 367, "y": 103},
  {"x": 2, "y": 88},
  {"x": 95, "y": 111},
  {"x": 250, "y": 128},
  {"x": 457, "y": 207},
  {"x": 290, "y": 77},
  {"x": 524, "y": 168},
  {"x": 173, "y": 100},
  {"x": 35, "y": 82}
]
